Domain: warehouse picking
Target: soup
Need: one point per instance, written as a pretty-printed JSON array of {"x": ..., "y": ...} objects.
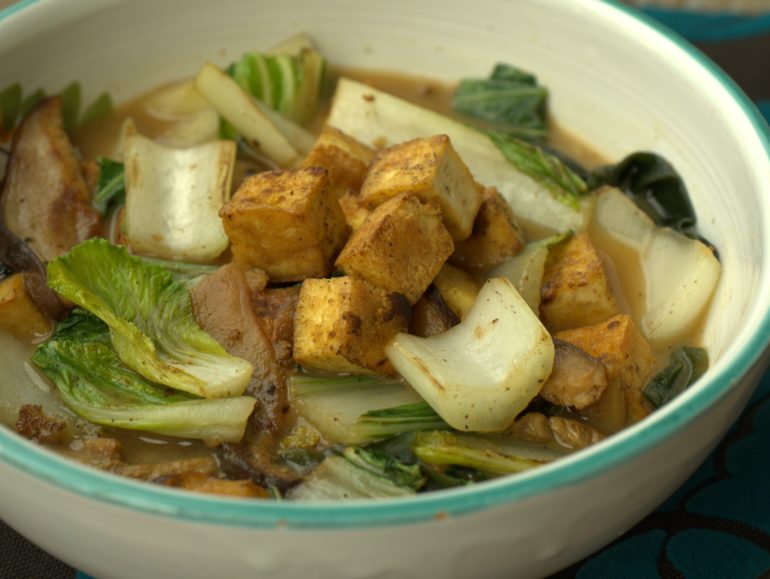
[{"x": 409, "y": 287}]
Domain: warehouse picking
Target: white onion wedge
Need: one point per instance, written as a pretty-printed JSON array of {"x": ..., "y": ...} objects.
[{"x": 483, "y": 372}]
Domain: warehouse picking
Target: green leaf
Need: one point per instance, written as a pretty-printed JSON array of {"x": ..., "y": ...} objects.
[
  {"x": 111, "y": 189},
  {"x": 70, "y": 96},
  {"x": 152, "y": 326},
  {"x": 510, "y": 101},
  {"x": 685, "y": 366},
  {"x": 655, "y": 187},
  {"x": 99, "y": 108},
  {"x": 31, "y": 101},
  {"x": 380, "y": 464},
  {"x": 546, "y": 169},
  {"x": 389, "y": 422},
  {"x": 10, "y": 105},
  {"x": 94, "y": 382}
]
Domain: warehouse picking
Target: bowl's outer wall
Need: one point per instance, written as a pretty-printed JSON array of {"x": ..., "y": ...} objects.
[{"x": 614, "y": 81}]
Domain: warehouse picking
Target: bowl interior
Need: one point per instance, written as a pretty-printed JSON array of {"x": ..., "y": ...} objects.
[{"x": 615, "y": 80}]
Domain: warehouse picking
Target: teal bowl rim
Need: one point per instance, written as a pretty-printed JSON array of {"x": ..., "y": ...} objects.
[{"x": 574, "y": 469}]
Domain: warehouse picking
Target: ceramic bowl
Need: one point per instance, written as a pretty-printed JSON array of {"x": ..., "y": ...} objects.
[{"x": 617, "y": 80}]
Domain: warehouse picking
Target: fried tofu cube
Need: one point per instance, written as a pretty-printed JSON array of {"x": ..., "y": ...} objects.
[
  {"x": 355, "y": 211},
  {"x": 19, "y": 315},
  {"x": 431, "y": 169},
  {"x": 343, "y": 325},
  {"x": 400, "y": 247},
  {"x": 496, "y": 235},
  {"x": 345, "y": 158},
  {"x": 575, "y": 291},
  {"x": 629, "y": 362},
  {"x": 457, "y": 287},
  {"x": 287, "y": 223}
]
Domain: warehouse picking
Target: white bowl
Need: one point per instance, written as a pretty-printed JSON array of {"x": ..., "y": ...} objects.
[{"x": 616, "y": 79}]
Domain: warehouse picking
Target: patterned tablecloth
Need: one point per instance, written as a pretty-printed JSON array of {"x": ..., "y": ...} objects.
[{"x": 718, "y": 523}]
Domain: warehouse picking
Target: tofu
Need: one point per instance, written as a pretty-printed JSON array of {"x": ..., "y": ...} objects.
[
  {"x": 575, "y": 291},
  {"x": 355, "y": 211},
  {"x": 457, "y": 288},
  {"x": 19, "y": 315},
  {"x": 431, "y": 169},
  {"x": 496, "y": 236},
  {"x": 343, "y": 325},
  {"x": 629, "y": 362},
  {"x": 345, "y": 159},
  {"x": 287, "y": 223},
  {"x": 400, "y": 247}
]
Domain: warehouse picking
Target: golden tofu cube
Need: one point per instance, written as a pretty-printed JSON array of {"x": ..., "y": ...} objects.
[
  {"x": 345, "y": 158},
  {"x": 355, "y": 211},
  {"x": 629, "y": 362},
  {"x": 287, "y": 223},
  {"x": 496, "y": 235},
  {"x": 400, "y": 247},
  {"x": 431, "y": 169},
  {"x": 19, "y": 315},
  {"x": 457, "y": 288},
  {"x": 575, "y": 291},
  {"x": 343, "y": 325}
]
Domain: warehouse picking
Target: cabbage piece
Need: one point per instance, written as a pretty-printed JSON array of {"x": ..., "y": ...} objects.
[
  {"x": 496, "y": 454},
  {"x": 525, "y": 270},
  {"x": 278, "y": 138},
  {"x": 358, "y": 474},
  {"x": 375, "y": 117},
  {"x": 150, "y": 318},
  {"x": 680, "y": 273},
  {"x": 335, "y": 404},
  {"x": 95, "y": 384},
  {"x": 480, "y": 374},
  {"x": 173, "y": 197}
]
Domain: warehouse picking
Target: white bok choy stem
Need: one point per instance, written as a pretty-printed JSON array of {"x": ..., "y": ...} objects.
[
  {"x": 281, "y": 140},
  {"x": 173, "y": 197},
  {"x": 680, "y": 273},
  {"x": 480, "y": 374}
]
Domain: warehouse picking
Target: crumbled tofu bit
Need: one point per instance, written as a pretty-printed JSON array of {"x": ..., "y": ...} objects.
[
  {"x": 429, "y": 168},
  {"x": 457, "y": 287},
  {"x": 400, "y": 247},
  {"x": 575, "y": 291},
  {"x": 577, "y": 379},
  {"x": 287, "y": 223},
  {"x": 629, "y": 361},
  {"x": 343, "y": 324},
  {"x": 496, "y": 235},
  {"x": 355, "y": 211},
  {"x": 19, "y": 315},
  {"x": 345, "y": 158}
]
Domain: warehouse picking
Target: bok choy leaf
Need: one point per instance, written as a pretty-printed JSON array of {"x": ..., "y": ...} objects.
[
  {"x": 359, "y": 474},
  {"x": 685, "y": 367},
  {"x": 111, "y": 188},
  {"x": 94, "y": 383},
  {"x": 510, "y": 100},
  {"x": 150, "y": 316}
]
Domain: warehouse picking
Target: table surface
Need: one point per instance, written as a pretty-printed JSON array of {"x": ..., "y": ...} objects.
[{"x": 718, "y": 523}]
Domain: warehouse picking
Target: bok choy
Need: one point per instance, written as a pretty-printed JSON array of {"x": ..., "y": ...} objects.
[
  {"x": 94, "y": 383},
  {"x": 173, "y": 197},
  {"x": 484, "y": 371},
  {"x": 375, "y": 117},
  {"x": 152, "y": 326}
]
